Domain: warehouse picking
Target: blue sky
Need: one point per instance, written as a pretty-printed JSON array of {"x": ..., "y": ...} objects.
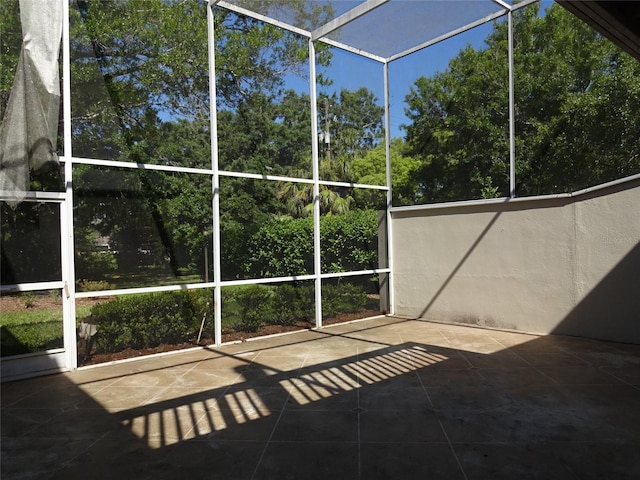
[{"x": 351, "y": 72}]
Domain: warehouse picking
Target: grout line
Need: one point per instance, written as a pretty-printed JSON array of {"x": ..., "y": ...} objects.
[
  {"x": 277, "y": 422},
  {"x": 359, "y": 414},
  {"x": 602, "y": 369},
  {"x": 444, "y": 431},
  {"x": 329, "y": 442},
  {"x": 70, "y": 461},
  {"x": 36, "y": 426},
  {"x": 152, "y": 400},
  {"x": 529, "y": 364},
  {"x": 589, "y": 364}
]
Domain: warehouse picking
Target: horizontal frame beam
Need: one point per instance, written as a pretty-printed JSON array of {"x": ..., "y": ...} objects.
[
  {"x": 201, "y": 171},
  {"x": 229, "y": 283},
  {"x": 32, "y": 287},
  {"x": 346, "y": 18},
  {"x": 263, "y": 18}
]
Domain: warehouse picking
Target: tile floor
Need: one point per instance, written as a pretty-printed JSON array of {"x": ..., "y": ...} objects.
[{"x": 378, "y": 399}]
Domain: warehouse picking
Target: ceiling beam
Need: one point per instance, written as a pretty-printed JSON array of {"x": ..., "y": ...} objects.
[
  {"x": 263, "y": 18},
  {"x": 346, "y": 18}
]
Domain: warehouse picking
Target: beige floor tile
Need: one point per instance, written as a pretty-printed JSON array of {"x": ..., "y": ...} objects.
[{"x": 392, "y": 398}]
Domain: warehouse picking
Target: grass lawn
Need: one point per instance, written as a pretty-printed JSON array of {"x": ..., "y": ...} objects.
[
  {"x": 33, "y": 330},
  {"x": 143, "y": 277}
]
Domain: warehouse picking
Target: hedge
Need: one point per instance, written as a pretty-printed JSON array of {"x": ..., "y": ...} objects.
[
  {"x": 148, "y": 320},
  {"x": 284, "y": 248}
]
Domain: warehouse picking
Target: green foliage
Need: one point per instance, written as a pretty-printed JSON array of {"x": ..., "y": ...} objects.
[
  {"x": 285, "y": 248},
  {"x": 256, "y": 306},
  {"x": 349, "y": 242},
  {"x": 245, "y": 205},
  {"x": 371, "y": 168},
  {"x": 145, "y": 321},
  {"x": 38, "y": 315},
  {"x": 293, "y": 303},
  {"x": 353, "y": 120},
  {"x": 91, "y": 261},
  {"x": 342, "y": 298},
  {"x": 251, "y": 307},
  {"x": 33, "y": 328},
  {"x": 459, "y": 127},
  {"x": 577, "y": 113},
  {"x": 253, "y": 55},
  {"x": 10, "y": 43},
  {"x": 29, "y": 232},
  {"x": 150, "y": 218},
  {"x": 578, "y": 124},
  {"x": 140, "y": 94},
  {"x": 28, "y": 299},
  {"x": 281, "y": 248}
]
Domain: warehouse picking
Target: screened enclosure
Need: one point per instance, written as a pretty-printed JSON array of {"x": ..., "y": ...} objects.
[{"x": 184, "y": 173}]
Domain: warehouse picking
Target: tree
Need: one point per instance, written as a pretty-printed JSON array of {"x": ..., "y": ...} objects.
[
  {"x": 351, "y": 125},
  {"x": 29, "y": 231},
  {"x": 459, "y": 126},
  {"x": 579, "y": 123},
  {"x": 371, "y": 170},
  {"x": 10, "y": 44},
  {"x": 140, "y": 94},
  {"x": 577, "y": 113},
  {"x": 158, "y": 218}
]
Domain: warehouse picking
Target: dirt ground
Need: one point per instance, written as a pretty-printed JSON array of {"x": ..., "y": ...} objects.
[
  {"x": 228, "y": 335},
  {"x": 12, "y": 303}
]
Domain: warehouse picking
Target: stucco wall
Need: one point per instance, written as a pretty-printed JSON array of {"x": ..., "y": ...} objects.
[{"x": 566, "y": 265}]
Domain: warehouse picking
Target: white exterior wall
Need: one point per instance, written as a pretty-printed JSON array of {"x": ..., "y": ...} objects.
[{"x": 567, "y": 265}]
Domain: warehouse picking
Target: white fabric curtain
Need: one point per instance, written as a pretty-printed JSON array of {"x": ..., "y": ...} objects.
[{"x": 30, "y": 124}]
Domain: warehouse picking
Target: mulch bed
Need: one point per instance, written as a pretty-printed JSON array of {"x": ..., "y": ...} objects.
[{"x": 228, "y": 335}]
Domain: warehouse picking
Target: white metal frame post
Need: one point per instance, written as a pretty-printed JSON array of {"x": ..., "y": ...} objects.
[
  {"x": 387, "y": 139},
  {"x": 512, "y": 140},
  {"x": 66, "y": 209},
  {"x": 317, "y": 261},
  {"x": 215, "y": 180}
]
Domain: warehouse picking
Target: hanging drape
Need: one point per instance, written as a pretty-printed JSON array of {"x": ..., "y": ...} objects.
[{"x": 30, "y": 124}]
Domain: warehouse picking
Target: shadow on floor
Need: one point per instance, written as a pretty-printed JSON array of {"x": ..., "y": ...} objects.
[{"x": 377, "y": 399}]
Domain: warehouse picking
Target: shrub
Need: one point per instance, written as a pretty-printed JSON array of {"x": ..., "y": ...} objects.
[
  {"x": 145, "y": 321},
  {"x": 251, "y": 307},
  {"x": 92, "y": 261},
  {"x": 281, "y": 248},
  {"x": 255, "y": 305},
  {"x": 293, "y": 303},
  {"x": 349, "y": 242},
  {"x": 284, "y": 248},
  {"x": 342, "y": 298},
  {"x": 29, "y": 300}
]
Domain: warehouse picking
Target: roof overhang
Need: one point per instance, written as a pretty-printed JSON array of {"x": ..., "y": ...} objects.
[{"x": 618, "y": 21}]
